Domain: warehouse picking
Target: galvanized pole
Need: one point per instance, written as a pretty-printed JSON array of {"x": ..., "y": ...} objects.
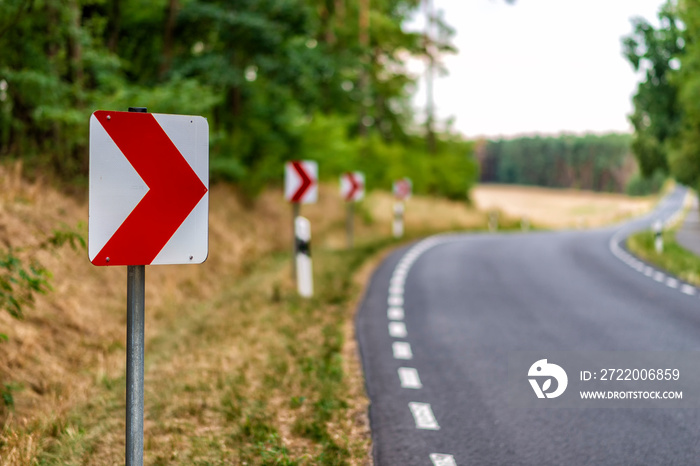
[
  {"x": 135, "y": 330},
  {"x": 295, "y": 213},
  {"x": 349, "y": 222},
  {"x": 135, "y": 350}
]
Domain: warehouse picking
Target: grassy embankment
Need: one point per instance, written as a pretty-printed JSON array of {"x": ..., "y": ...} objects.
[
  {"x": 238, "y": 368},
  {"x": 674, "y": 258}
]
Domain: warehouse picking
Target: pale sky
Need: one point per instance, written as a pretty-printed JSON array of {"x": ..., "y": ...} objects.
[{"x": 537, "y": 66}]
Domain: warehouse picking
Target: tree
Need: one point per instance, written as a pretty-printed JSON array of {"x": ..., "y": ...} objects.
[
  {"x": 685, "y": 157},
  {"x": 657, "y": 116}
]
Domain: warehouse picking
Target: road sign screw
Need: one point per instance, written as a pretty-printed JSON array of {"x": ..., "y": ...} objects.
[
  {"x": 191, "y": 257},
  {"x": 107, "y": 259},
  {"x": 109, "y": 117}
]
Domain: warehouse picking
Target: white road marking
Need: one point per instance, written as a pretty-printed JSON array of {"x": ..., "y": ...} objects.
[
  {"x": 402, "y": 350},
  {"x": 395, "y": 313},
  {"x": 423, "y": 415},
  {"x": 409, "y": 378},
  {"x": 397, "y": 281},
  {"x": 395, "y": 300},
  {"x": 396, "y": 289},
  {"x": 397, "y": 329},
  {"x": 441, "y": 459},
  {"x": 632, "y": 261}
]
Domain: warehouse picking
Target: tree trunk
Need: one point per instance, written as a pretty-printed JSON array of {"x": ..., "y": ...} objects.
[
  {"x": 113, "y": 25},
  {"x": 168, "y": 36}
]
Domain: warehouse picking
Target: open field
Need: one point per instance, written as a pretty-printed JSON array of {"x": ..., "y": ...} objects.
[
  {"x": 239, "y": 370},
  {"x": 559, "y": 208}
]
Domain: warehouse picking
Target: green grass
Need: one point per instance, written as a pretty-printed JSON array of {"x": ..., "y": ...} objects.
[{"x": 674, "y": 258}]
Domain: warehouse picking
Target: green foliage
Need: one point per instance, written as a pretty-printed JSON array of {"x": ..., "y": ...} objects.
[
  {"x": 684, "y": 158},
  {"x": 656, "y": 118},
  {"x": 19, "y": 283},
  {"x": 277, "y": 79},
  {"x": 674, "y": 258},
  {"x": 7, "y": 399},
  {"x": 21, "y": 280},
  {"x": 591, "y": 162},
  {"x": 640, "y": 186},
  {"x": 450, "y": 172}
]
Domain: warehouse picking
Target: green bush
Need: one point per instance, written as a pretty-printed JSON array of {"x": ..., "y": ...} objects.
[{"x": 640, "y": 186}]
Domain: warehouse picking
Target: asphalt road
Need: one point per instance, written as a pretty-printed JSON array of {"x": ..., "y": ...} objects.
[{"x": 443, "y": 317}]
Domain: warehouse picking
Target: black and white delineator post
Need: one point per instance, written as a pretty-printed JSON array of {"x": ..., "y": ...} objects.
[
  {"x": 658, "y": 237},
  {"x": 493, "y": 220},
  {"x": 305, "y": 279},
  {"x": 525, "y": 224},
  {"x": 397, "y": 224}
]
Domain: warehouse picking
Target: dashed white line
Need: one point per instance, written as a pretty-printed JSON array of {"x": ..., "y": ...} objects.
[
  {"x": 395, "y": 313},
  {"x": 397, "y": 329},
  {"x": 423, "y": 415},
  {"x": 671, "y": 282},
  {"x": 441, "y": 459},
  {"x": 659, "y": 276},
  {"x": 688, "y": 289},
  {"x": 409, "y": 378},
  {"x": 397, "y": 281},
  {"x": 395, "y": 300},
  {"x": 402, "y": 350},
  {"x": 648, "y": 271}
]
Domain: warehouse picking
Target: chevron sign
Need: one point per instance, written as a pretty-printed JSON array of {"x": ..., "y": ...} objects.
[
  {"x": 352, "y": 186},
  {"x": 403, "y": 189},
  {"x": 301, "y": 181},
  {"x": 149, "y": 189}
]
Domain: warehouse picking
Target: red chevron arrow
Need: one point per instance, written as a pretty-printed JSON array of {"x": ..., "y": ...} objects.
[
  {"x": 174, "y": 189},
  {"x": 355, "y": 186},
  {"x": 402, "y": 188},
  {"x": 306, "y": 181}
]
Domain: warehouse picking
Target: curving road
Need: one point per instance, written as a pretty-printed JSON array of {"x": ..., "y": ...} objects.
[{"x": 442, "y": 319}]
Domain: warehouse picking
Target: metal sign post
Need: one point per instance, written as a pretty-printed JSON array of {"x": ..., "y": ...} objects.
[
  {"x": 352, "y": 189},
  {"x": 397, "y": 224},
  {"x": 135, "y": 355},
  {"x": 296, "y": 209},
  {"x": 135, "y": 331},
  {"x": 148, "y": 204},
  {"x": 349, "y": 221},
  {"x": 658, "y": 237}
]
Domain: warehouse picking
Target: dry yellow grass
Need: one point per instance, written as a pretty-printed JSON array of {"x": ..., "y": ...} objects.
[
  {"x": 208, "y": 327},
  {"x": 559, "y": 208},
  {"x": 237, "y": 365}
]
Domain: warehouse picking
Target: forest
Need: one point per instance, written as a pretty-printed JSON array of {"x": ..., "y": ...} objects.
[
  {"x": 277, "y": 79},
  {"x": 592, "y": 162}
]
